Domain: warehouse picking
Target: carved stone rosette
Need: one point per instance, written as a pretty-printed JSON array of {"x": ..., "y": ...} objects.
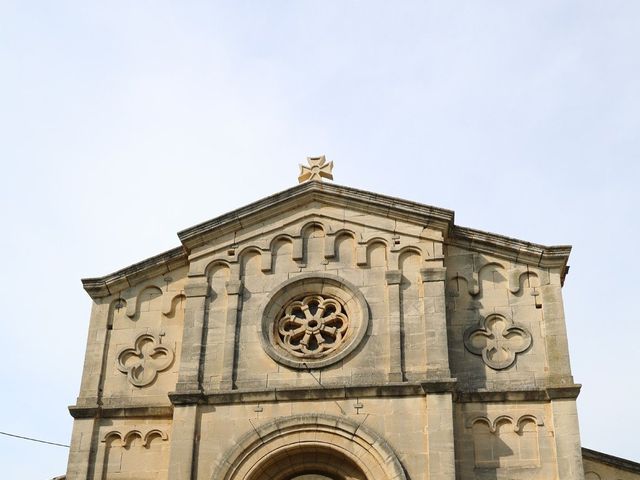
[
  {"x": 313, "y": 320},
  {"x": 313, "y": 326}
]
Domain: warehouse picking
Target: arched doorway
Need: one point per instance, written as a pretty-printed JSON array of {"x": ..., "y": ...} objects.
[
  {"x": 310, "y": 447},
  {"x": 311, "y": 461}
]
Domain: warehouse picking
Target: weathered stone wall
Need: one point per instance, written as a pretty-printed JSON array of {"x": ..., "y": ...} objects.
[
  {"x": 381, "y": 258},
  {"x": 506, "y": 324},
  {"x": 134, "y": 344},
  {"x": 358, "y": 337},
  {"x": 497, "y": 440},
  {"x": 402, "y": 420},
  {"x": 507, "y": 336},
  {"x": 132, "y": 361}
]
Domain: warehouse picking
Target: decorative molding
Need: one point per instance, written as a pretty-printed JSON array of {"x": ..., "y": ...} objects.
[
  {"x": 498, "y": 340},
  {"x": 508, "y": 248},
  {"x": 132, "y": 275},
  {"x": 170, "y": 303},
  {"x": 119, "y": 457},
  {"x": 518, "y": 423},
  {"x": 133, "y": 305},
  {"x": 398, "y": 389},
  {"x": 428, "y": 246},
  {"x": 530, "y": 395},
  {"x": 495, "y": 445},
  {"x": 145, "y": 359},
  {"x": 121, "y": 412},
  {"x": 516, "y": 279},
  {"x": 371, "y": 390},
  {"x": 518, "y": 276},
  {"x": 128, "y": 437},
  {"x": 427, "y": 243}
]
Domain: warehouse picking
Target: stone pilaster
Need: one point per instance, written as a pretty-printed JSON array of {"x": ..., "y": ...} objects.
[
  {"x": 441, "y": 451},
  {"x": 556, "y": 342},
  {"x": 234, "y": 288},
  {"x": 196, "y": 291},
  {"x": 435, "y": 316},
  {"x": 183, "y": 434},
  {"x": 567, "y": 438},
  {"x": 97, "y": 342},
  {"x": 394, "y": 277},
  {"x": 80, "y": 451}
]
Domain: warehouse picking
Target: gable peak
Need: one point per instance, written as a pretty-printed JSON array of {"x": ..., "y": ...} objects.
[{"x": 318, "y": 169}]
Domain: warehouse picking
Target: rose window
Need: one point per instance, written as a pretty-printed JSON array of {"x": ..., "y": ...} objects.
[
  {"x": 313, "y": 326},
  {"x": 313, "y": 320}
]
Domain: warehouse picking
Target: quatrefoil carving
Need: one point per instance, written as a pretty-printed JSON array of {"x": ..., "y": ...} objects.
[
  {"x": 145, "y": 360},
  {"x": 498, "y": 340},
  {"x": 313, "y": 326}
]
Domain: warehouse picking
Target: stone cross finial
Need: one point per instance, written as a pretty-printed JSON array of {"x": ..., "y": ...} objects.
[{"x": 318, "y": 169}]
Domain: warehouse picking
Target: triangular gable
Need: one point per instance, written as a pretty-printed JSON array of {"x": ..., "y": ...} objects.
[
  {"x": 339, "y": 196},
  {"x": 330, "y": 194}
]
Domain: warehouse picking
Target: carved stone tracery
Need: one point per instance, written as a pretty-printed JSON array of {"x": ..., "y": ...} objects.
[
  {"x": 313, "y": 320},
  {"x": 144, "y": 360},
  {"x": 312, "y": 326},
  {"x": 498, "y": 340}
]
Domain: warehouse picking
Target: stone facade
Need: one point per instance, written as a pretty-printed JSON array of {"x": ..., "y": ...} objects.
[{"x": 327, "y": 332}]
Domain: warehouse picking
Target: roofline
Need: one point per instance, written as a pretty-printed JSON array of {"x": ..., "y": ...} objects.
[
  {"x": 117, "y": 281},
  {"x": 427, "y": 215},
  {"x": 518, "y": 250},
  {"x": 370, "y": 202},
  {"x": 622, "y": 463}
]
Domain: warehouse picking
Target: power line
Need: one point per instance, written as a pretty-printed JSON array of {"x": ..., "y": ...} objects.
[
  {"x": 33, "y": 439},
  {"x": 320, "y": 383}
]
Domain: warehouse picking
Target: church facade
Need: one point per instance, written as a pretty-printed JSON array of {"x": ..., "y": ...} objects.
[{"x": 331, "y": 333}]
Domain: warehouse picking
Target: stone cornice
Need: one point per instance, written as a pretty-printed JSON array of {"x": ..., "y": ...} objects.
[
  {"x": 157, "y": 265},
  {"x": 120, "y": 412},
  {"x": 610, "y": 460},
  {"x": 404, "y": 389},
  {"x": 528, "y": 395},
  {"x": 327, "y": 193},
  {"x": 510, "y": 248}
]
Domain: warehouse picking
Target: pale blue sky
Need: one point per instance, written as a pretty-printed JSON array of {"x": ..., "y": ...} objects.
[{"x": 123, "y": 122}]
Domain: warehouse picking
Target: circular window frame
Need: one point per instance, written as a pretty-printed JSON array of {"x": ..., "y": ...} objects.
[{"x": 323, "y": 284}]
